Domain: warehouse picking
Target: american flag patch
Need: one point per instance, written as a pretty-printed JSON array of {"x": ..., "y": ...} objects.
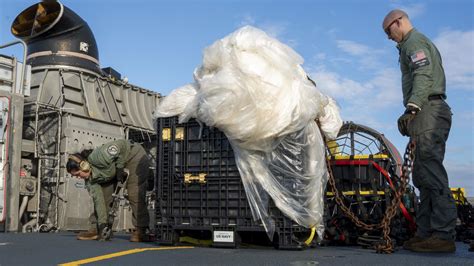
[{"x": 417, "y": 56}]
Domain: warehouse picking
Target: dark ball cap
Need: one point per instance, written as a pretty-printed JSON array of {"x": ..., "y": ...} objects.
[{"x": 392, "y": 16}]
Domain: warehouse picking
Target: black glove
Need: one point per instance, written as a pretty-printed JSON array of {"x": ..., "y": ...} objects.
[
  {"x": 405, "y": 119},
  {"x": 120, "y": 175}
]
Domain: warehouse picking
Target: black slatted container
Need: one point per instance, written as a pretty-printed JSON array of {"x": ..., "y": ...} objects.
[
  {"x": 361, "y": 174},
  {"x": 364, "y": 185},
  {"x": 200, "y": 194}
]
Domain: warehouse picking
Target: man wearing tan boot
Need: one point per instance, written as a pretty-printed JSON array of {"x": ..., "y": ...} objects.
[
  {"x": 427, "y": 121},
  {"x": 101, "y": 169}
]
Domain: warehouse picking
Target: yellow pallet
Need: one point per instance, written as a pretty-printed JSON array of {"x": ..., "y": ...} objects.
[{"x": 459, "y": 195}]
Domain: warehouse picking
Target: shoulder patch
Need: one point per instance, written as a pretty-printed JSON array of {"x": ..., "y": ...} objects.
[
  {"x": 113, "y": 150},
  {"x": 419, "y": 59}
]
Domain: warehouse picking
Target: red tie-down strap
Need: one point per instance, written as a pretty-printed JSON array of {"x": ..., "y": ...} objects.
[{"x": 406, "y": 214}]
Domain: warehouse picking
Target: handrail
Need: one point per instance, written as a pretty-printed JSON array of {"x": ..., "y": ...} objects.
[{"x": 25, "y": 49}]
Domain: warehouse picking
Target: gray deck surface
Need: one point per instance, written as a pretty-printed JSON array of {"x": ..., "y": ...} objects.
[{"x": 58, "y": 248}]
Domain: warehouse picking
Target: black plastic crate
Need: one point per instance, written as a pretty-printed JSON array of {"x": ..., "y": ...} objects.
[
  {"x": 370, "y": 209},
  {"x": 363, "y": 182},
  {"x": 200, "y": 192},
  {"x": 361, "y": 174}
]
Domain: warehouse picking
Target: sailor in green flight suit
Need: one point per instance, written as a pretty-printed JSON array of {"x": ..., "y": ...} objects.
[
  {"x": 102, "y": 168},
  {"x": 427, "y": 121}
]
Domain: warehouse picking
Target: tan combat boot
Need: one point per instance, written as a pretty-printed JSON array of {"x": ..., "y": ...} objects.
[
  {"x": 90, "y": 234},
  {"x": 434, "y": 245},
  {"x": 140, "y": 235},
  {"x": 407, "y": 244}
]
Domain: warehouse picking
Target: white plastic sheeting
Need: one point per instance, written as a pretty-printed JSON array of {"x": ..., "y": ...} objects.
[
  {"x": 330, "y": 120},
  {"x": 254, "y": 89},
  {"x": 181, "y": 102}
]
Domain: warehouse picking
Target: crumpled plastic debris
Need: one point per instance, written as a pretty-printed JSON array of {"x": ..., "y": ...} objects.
[{"x": 254, "y": 89}]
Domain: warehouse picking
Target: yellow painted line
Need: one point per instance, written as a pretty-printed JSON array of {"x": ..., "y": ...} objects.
[{"x": 118, "y": 254}]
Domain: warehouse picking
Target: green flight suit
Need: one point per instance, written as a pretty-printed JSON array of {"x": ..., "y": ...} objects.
[
  {"x": 424, "y": 85},
  {"x": 104, "y": 161}
]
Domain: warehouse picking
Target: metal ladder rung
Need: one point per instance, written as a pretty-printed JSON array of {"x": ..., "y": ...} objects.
[
  {"x": 48, "y": 158},
  {"x": 49, "y": 168}
]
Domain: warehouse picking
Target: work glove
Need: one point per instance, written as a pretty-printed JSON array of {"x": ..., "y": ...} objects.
[
  {"x": 405, "y": 119},
  {"x": 120, "y": 174}
]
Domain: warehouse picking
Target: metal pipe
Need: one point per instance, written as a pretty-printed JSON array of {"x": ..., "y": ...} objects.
[
  {"x": 56, "y": 35},
  {"x": 38, "y": 98},
  {"x": 24, "y": 202},
  {"x": 23, "y": 67},
  {"x": 58, "y": 152},
  {"x": 39, "y": 194},
  {"x": 30, "y": 223}
]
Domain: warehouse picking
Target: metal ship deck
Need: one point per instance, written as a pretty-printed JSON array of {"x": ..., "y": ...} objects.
[{"x": 63, "y": 249}]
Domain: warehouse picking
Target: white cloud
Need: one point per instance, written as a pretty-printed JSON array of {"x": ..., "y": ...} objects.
[
  {"x": 292, "y": 43},
  {"x": 352, "y": 47},
  {"x": 413, "y": 10},
  {"x": 362, "y": 101},
  {"x": 320, "y": 56},
  {"x": 278, "y": 31},
  {"x": 459, "y": 150},
  {"x": 367, "y": 57},
  {"x": 332, "y": 32},
  {"x": 247, "y": 19},
  {"x": 457, "y": 50},
  {"x": 275, "y": 30},
  {"x": 464, "y": 120},
  {"x": 337, "y": 86},
  {"x": 340, "y": 60},
  {"x": 370, "y": 62},
  {"x": 387, "y": 89},
  {"x": 461, "y": 175},
  {"x": 467, "y": 117}
]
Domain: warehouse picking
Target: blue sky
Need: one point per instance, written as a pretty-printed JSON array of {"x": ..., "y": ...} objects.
[{"x": 157, "y": 45}]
